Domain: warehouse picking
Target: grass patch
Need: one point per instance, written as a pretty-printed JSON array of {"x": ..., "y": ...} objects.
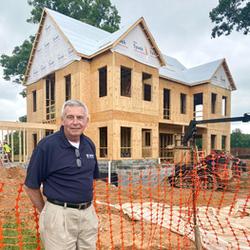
[{"x": 11, "y": 237}]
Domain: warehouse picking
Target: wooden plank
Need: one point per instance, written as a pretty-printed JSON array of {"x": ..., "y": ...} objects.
[{"x": 6, "y": 125}]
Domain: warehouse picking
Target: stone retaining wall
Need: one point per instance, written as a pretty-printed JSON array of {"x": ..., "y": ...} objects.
[{"x": 135, "y": 171}]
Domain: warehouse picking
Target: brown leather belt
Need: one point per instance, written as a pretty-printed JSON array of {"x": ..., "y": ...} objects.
[{"x": 83, "y": 205}]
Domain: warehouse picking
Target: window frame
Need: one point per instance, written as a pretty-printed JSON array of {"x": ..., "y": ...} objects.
[
  {"x": 67, "y": 87},
  {"x": 103, "y": 144},
  {"x": 125, "y": 87},
  {"x": 166, "y": 105},
  {"x": 34, "y": 100},
  {"x": 223, "y": 141},
  {"x": 198, "y": 106},
  {"x": 146, "y": 142},
  {"x": 213, "y": 141},
  {"x": 103, "y": 81},
  {"x": 183, "y": 103},
  {"x": 50, "y": 93},
  {"x": 125, "y": 143},
  {"x": 213, "y": 103},
  {"x": 224, "y": 106},
  {"x": 146, "y": 87},
  {"x": 34, "y": 139}
]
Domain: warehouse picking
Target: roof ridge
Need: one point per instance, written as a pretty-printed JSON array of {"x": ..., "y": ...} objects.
[
  {"x": 76, "y": 20},
  {"x": 204, "y": 64}
]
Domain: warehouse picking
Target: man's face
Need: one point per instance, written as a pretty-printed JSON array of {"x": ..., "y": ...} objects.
[{"x": 74, "y": 122}]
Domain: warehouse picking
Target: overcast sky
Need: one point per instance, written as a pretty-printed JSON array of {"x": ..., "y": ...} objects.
[{"x": 182, "y": 29}]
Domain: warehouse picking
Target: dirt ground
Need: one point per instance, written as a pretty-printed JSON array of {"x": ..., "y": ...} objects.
[{"x": 116, "y": 230}]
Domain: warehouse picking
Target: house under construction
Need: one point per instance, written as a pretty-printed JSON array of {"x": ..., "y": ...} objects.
[{"x": 140, "y": 101}]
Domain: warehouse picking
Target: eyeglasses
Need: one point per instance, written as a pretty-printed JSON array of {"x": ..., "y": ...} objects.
[{"x": 78, "y": 158}]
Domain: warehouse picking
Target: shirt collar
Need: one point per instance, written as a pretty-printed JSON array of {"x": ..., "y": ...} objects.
[{"x": 65, "y": 141}]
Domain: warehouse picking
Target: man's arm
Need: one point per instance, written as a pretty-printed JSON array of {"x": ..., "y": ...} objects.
[{"x": 36, "y": 197}]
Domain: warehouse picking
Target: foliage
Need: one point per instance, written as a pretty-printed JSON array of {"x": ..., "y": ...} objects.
[
  {"x": 15, "y": 65},
  {"x": 240, "y": 140},
  {"x": 99, "y": 13},
  {"x": 23, "y": 118},
  {"x": 230, "y": 15}
]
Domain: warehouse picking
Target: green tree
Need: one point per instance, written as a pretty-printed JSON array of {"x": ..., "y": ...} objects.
[
  {"x": 99, "y": 13},
  {"x": 240, "y": 140},
  {"x": 23, "y": 118},
  {"x": 230, "y": 15},
  {"x": 236, "y": 138},
  {"x": 14, "y": 65}
]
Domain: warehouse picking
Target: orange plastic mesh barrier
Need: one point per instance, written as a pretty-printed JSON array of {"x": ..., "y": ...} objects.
[{"x": 149, "y": 208}]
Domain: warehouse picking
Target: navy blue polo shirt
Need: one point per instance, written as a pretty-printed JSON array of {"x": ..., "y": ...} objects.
[{"x": 53, "y": 163}]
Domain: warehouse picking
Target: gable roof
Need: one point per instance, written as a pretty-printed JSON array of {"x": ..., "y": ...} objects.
[
  {"x": 175, "y": 71},
  {"x": 86, "y": 40},
  {"x": 83, "y": 37}
]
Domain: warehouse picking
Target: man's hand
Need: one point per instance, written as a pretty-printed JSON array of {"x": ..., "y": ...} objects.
[{"x": 36, "y": 197}]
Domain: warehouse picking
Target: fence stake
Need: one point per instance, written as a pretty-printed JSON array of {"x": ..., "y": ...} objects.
[
  {"x": 109, "y": 172},
  {"x": 197, "y": 236}
]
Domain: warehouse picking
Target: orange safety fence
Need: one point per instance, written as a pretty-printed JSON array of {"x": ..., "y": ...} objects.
[{"x": 147, "y": 208}]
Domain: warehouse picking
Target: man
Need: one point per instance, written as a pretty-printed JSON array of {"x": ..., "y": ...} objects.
[
  {"x": 65, "y": 163},
  {"x": 7, "y": 151}
]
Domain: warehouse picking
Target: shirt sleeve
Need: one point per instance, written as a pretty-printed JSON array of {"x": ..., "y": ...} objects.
[{"x": 36, "y": 170}]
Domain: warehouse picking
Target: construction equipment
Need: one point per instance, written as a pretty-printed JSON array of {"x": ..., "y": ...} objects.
[
  {"x": 212, "y": 172},
  {"x": 207, "y": 174}
]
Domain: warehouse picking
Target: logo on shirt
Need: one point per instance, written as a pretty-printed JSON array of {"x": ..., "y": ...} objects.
[{"x": 90, "y": 156}]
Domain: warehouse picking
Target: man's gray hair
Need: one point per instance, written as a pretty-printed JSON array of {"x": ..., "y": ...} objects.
[{"x": 74, "y": 103}]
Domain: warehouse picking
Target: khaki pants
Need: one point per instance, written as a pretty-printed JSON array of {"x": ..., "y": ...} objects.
[{"x": 68, "y": 228}]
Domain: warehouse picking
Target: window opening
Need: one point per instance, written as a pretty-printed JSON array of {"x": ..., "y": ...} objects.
[
  {"x": 213, "y": 103},
  {"x": 50, "y": 97},
  {"x": 223, "y": 142},
  {"x": 125, "y": 82},
  {"x": 146, "y": 143},
  {"x": 166, "y": 104},
  {"x": 103, "y": 139},
  {"x": 34, "y": 101},
  {"x": 198, "y": 106},
  {"x": 67, "y": 87},
  {"x": 147, "y": 89},
  {"x": 224, "y": 105},
  {"x": 125, "y": 142},
  {"x": 103, "y": 81},
  {"x": 213, "y": 142},
  {"x": 183, "y": 103},
  {"x": 166, "y": 140}
]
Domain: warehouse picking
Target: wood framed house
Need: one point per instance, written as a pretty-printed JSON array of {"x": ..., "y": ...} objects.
[{"x": 140, "y": 101}]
